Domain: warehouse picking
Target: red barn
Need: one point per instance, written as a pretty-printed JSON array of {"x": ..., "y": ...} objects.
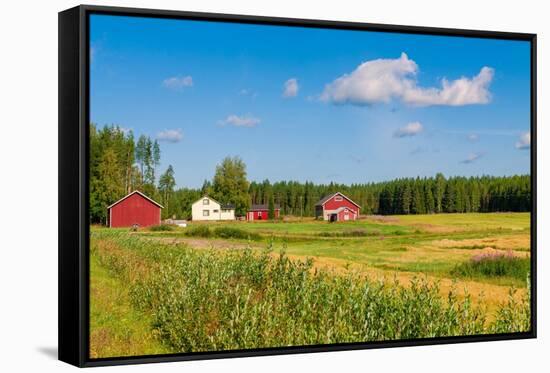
[
  {"x": 337, "y": 207},
  {"x": 135, "y": 208},
  {"x": 261, "y": 212}
]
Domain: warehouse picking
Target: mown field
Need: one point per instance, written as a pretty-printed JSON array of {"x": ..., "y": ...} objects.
[{"x": 233, "y": 285}]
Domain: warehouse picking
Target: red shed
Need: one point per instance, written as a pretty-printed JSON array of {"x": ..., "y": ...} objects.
[
  {"x": 261, "y": 212},
  {"x": 135, "y": 208},
  {"x": 337, "y": 207}
]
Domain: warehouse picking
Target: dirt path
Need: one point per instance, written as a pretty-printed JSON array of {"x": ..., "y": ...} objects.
[{"x": 206, "y": 243}]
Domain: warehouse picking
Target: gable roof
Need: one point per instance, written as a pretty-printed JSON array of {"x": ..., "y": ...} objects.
[
  {"x": 262, "y": 207},
  {"x": 325, "y": 199},
  {"x": 134, "y": 192},
  {"x": 226, "y": 206}
]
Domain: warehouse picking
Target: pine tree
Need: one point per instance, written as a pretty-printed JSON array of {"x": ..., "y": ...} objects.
[
  {"x": 271, "y": 208},
  {"x": 406, "y": 197},
  {"x": 167, "y": 183},
  {"x": 439, "y": 192}
]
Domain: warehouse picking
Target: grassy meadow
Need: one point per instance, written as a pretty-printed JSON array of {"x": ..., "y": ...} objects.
[{"x": 233, "y": 285}]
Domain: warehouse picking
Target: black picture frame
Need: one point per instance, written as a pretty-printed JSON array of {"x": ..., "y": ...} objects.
[{"x": 73, "y": 228}]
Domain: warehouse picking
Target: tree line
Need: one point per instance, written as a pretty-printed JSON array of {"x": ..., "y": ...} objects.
[
  {"x": 120, "y": 164},
  {"x": 427, "y": 195}
]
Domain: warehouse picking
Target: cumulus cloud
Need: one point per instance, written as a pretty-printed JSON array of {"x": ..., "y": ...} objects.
[
  {"x": 524, "y": 141},
  {"x": 241, "y": 121},
  {"x": 472, "y": 157},
  {"x": 411, "y": 129},
  {"x": 170, "y": 135},
  {"x": 178, "y": 82},
  {"x": 291, "y": 88},
  {"x": 384, "y": 80}
]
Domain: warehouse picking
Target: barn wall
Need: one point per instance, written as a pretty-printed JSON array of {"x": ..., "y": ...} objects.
[
  {"x": 255, "y": 215},
  {"x": 135, "y": 210}
]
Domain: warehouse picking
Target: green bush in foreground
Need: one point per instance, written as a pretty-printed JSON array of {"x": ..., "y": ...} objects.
[{"x": 203, "y": 300}]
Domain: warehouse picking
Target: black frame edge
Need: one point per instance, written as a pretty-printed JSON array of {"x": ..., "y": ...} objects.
[
  {"x": 70, "y": 274},
  {"x": 533, "y": 154},
  {"x": 306, "y": 22},
  {"x": 73, "y": 183}
]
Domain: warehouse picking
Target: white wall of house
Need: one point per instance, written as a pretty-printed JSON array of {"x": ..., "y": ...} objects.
[
  {"x": 227, "y": 214},
  {"x": 208, "y": 209}
]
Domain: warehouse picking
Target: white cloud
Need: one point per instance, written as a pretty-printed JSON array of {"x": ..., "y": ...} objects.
[
  {"x": 472, "y": 157},
  {"x": 411, "y": 129},
  {"x": 170, "y": 135},
  {"x": 524, "y": 141},
  {"x": 473, "y": 137},
  {"x": 291, "y": 88},
  {"x": 384, "y": 80},
  {"x": 178, "y": 82},
  {"x": 241, "y": 121}
]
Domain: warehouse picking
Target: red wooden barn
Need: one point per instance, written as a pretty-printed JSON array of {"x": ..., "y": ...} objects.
[
  {"x": 261, "y": 212},
  {"x": 134, "y": 209},
  {"x": 337, "y": 207}
]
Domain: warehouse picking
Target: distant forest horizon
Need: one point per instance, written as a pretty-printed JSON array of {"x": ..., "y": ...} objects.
[{"x": 120, "y": 164}]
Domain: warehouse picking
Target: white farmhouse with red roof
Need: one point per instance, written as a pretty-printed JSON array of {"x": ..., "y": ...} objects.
[{"x": 337, "y": 207}]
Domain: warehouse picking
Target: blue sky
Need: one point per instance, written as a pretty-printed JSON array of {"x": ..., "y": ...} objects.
[{"x": 313, "y": 104}]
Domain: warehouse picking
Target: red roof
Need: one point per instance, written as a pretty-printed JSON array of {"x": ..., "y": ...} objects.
[
  {"x": 134, "y": 192},
  {"x": 325, "y": 199}
]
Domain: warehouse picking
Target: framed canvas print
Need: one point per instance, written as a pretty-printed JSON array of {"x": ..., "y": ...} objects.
[{"x": 234, "y": 186}]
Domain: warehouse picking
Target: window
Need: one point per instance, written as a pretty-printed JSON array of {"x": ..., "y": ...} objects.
[
  {"x": 259, "y": 214},
  {"x": 216, "y": 211},
  {"x": 205, "y": 213},
  {"x": 206, "y": 201},
  {"x": 338, "y": 199}
]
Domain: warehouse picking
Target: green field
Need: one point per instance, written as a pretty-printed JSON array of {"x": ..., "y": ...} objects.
[
  {"x": 431, "y": 244},
  {"x": 149, "y": 287}
]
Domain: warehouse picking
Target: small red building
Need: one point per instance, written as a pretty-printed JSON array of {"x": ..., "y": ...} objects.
[
  {"x": 337, "y": 207},
  {"x": 261, "y": 212},
  {"x": 134, "y": 209}
]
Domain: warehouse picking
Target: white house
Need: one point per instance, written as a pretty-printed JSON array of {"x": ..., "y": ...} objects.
[{"x": 207, "y": 208}]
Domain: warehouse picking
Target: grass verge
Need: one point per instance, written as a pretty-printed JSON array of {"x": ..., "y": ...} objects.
[{"x": 116, "y": 327}]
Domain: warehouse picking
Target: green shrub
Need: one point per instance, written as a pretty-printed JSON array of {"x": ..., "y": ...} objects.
[
  {"x": 230, "y": 232},
  {"x": 161, "y": 228},
  {"x": 494, "y": 265},
  {"x": 199, "y": 231},
  {"x": 514, "y": 315},
  {"x": 221, "y": 232}
]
